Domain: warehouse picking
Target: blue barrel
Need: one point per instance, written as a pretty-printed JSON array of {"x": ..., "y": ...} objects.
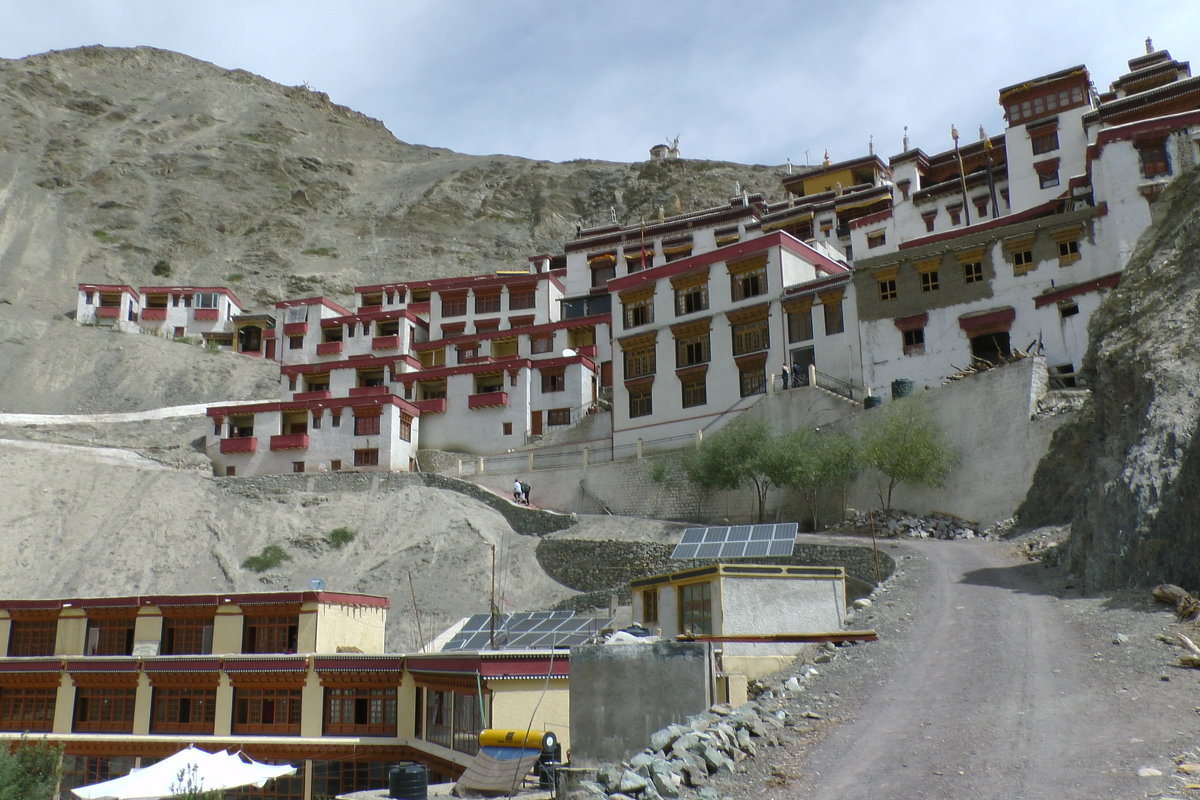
[
  {"x": 408, "y": 781},
  {"x": 901, "y": 387},
  {"x": 872, "y": 401}
]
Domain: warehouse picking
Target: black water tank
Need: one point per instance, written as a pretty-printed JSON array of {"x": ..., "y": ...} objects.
[
  {"x": 872, "y": 401},
  {"x": 901, "y": 387},
  {"x": 408, "y": 781}
]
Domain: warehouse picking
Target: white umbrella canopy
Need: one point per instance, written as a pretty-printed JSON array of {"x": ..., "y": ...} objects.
[{"x": 200, "y": 770}]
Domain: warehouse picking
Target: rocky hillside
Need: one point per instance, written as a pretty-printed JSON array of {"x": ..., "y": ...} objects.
[
  {"x": 115, "y": 160},
  {"x": 1126, "y": 472}
]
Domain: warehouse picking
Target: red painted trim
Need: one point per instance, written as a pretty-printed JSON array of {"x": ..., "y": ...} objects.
[
  {"x": 181, "y": 665},
  {"x": 295, "y": 328},
  {"x": 487, "y": 400},
  {"x": 289, "y": 441},
  {"x": 302, "y": 405},
  {"x": 153, "y": 314},
  {"x": 1105, "y": 282},
  {"x": 870, "y": 219},
  {"x": 75, "y": 667},
  {"x": 247, "y": 444},
  {"x": 1164, "y": 125},
  {"x": 436, "y": 405},
  {"x": 724, "y": 254},
  {"x": 531, "y": 330},
  {"x": 817, "y": 286},
  {"x": 558, "y": 667},
  {"x": 314, "y": 301},
  {"x": 974, "y": 322},
  {"x": 367, "y": 391},
  {"x": 109, "y": 287},
  {"x": 329, "y": 348},
  {"x": 440, "y": 285},
  {"x": 358, "y": 662},
  {"x": 350, "y": 362},
  {"x": 385, "y": 342},
  {"x": 108, "y": 311},
  {"x": 915, "y": 322},
  {"x": 31, "y": 666},
  {"x": 1046, "y": 209},
  {"x": 235, "y": 664}
]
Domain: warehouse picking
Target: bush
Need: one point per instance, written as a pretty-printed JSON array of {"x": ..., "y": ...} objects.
[
  {"x": 339, "y": 537},
  {"x": 162, "y": 268},
  {"x": 271, "y": 556},
  {"x": 30, "y": 772}
]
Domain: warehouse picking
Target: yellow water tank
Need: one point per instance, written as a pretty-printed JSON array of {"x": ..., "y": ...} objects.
[{"x": 530, "y": 740}]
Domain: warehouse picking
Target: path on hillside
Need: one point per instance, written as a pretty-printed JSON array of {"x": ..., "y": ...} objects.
[
  {"x": 991, "y": 691},
  {"x": 170, "y": 412}
]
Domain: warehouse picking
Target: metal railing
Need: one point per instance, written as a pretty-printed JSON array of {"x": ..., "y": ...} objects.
[{"x": 838, "y": 386}]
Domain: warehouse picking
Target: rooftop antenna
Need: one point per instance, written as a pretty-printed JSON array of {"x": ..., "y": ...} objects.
[
  {"x": 1149, "y": 46},
  {"x": 807, "y": 163},
  {"x": 982, "y": 133},
  {"x": 871, "y": 145},
  {"x": 789, "y": 167},
  {"x": 904, "y": 149}
]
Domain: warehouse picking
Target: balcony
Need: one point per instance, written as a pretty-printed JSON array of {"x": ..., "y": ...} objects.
[
  {"x": 367, "y": 391},
  {"x": 290, "y": 441},
  {"x": 487, "y": 400},
  {"x": 434, "y": 405},
  {"x": 245, "y": 444},
  {"x": 329, "y": 348},
  {"x": 322, "y": 394},
  {"x": 206, "y": 314},
  {"x": 374, "y": 309},
  {"x": 420, "y": 309},
  {"x": 588, "y": 350},
  {"x": 154, "y": 314},
  {"x": 295, "y": 328},
  {"x": 109, "y": 312},
  {"x": 385, "y": 343}
]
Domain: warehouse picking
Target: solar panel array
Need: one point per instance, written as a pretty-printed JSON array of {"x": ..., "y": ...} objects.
[
  {"x": 526, "y": 630},
  {"x": 738, "y": 541}
]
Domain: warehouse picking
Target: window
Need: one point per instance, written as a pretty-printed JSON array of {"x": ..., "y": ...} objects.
[
  {"x": 554, "y": 382},
  {"x": 454, "y": 306},
  {"x": 749, "y": 282},
  {"x": 230, "y": 472},
  {"x": 1044, "y": 142},
  {"x": 366, "y": 426},
  {"x": 468, "y": 722},
  {"x": 506, "y": 429},
  {"x": 109, "y": 637},
  {"x": 364, "y": 711},
  {"x": 295, "y": 343},
  {"x": 1067, "y": 308},
  {"x": 640, "y": 404},
  {"x": 184, "y": 636},
  {"x": 955, "y": 213},
  {"x": 335, "y": 465},
  {"x": 639, "y": 362},
  {"x": 366, "y": 458},
  {"x": 691, "y": 350},
  {"x": 695, "y": 608},
  {"x": 750, "y": 337},
  {"x": 649, "y": 606},
  {"x": 690, "y": 299},
  {"x": 487, "y": 303},
  {"x": 694, "y": 390},
  {"x": 929, "y": 281},
  {"x": 558, "y": 416},
  {"x": 32, "y": 637},
  {"x": 835, "y": 321},
  {"x": 541, "y": 344},
  {"x": 1068, "y": 252},
  {"x": 104, "y": 709},
  {"x": 522, "y": 298},
  {"x": 799, "y": 325},
  {"x": 406, "y": 428},
  {"x": 335, "y": 418},
  {"x": 439, "y": 722},
  {"x": 275, "y": 711},
  {"x": 270, "y": 633},
  {"x": 752, "y": 379},
  {"x": 604, "y": 269},
  {"x": 1022, "y": 261},
  {"x": 876, "y": 239},
  {"x": 913, "y": 342},
  {"x": 25, "y": 708},
  {"x": 332, "y": 333},
  {"x": 887, "y": 289},
  {"x": 182, "y": 710},
  {"x": 972, "y": 271},
  {"x": 205, "y": 299},
  {"x": 1048, "y": 179},
  {"x": 296, "y": 314},
  {"x": 297, "y": 466},
  {"x": 1153, "y": 158},
  {"x": 639, "y": 312},
  {"x": 981, "y": 205},
  {"x": 929, "y": 217}
]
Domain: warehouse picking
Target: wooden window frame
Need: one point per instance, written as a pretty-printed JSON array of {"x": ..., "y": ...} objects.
[
  {"x": 169, "y": 703},
  {"x": 270, "y": 633},
  {"x": 360, "y": 711},
  {"x": 263, "y": 710}
]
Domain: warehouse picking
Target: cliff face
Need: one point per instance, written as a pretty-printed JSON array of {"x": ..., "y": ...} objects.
[
  {"x": 112, "y": 160},
  {"x": 1126, "y": 473}
]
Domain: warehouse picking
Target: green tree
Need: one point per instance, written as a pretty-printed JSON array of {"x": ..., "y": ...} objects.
[
  {"x": 30, "y": 771},
  {"x": 810, "y": 461},
  {"x": 188, "y": 786},
  {"x": 907, "y": 445},
  {"x": 741, "y": 453}
]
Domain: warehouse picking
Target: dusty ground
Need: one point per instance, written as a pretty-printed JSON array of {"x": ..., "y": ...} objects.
[{"x": 992, "y": 678}]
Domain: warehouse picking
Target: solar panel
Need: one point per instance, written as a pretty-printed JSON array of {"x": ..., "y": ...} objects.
[
  {"x": 737, "y": 541},
  {"x": 526, "y": 630}
]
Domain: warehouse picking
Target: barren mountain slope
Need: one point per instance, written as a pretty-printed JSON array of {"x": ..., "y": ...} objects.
[{"x": 112, "y": 160}]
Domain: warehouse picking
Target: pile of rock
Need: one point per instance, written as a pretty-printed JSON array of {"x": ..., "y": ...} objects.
[
  {"x": 682, "y": 757},
  {"x": 893, "y": 524}
]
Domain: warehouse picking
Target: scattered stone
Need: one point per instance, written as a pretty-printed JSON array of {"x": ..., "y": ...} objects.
[
  {"x": 792, "y": 684},
  {"x": 632, "y": 783},
  {"x": 1148, "y": 772},
  {"x": 1120, "y": 638},
  {"x": 707, "y": 793},
  {"x": 861, "y": 603}
]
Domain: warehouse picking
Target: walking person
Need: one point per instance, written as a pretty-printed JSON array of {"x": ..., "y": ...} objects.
[{"x": 519, "y": 493}]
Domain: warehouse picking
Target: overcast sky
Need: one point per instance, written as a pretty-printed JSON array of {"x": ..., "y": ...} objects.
[{"x": 752, "y": 82}]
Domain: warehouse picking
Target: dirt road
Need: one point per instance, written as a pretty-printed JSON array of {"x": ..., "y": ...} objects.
[{"x": 988, "y": 684}]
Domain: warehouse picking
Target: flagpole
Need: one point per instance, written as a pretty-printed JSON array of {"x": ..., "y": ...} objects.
[{"x": 962, "y": 176}]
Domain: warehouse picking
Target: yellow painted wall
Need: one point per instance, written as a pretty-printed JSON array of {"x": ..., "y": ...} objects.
[
  {"x": 828, "y": 181},
  {"x": 311, "y": 706},
  {"x": 5, "y": 631},
  {"x": 227, "y": 630},
  {"x": 306, "y": 630},
  {"x": 349, "y": 627},
  {"x": 72, "y": 633},
  {"x": 141, "y": 705},
  {"x": 148, "y": 626},
  {"x": 64, "y": 705},
  {"x": 224, "y": 707},
  {"x": 514, "y": 703}
]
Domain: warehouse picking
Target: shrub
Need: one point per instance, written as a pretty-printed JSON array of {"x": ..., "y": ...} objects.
[
  {"x": 161, "y": 268},
  {"x": 235, "y": 277},
  {"x": 320, "y": 251},
  {"x": 271, "y": 556},
  {"x": 31, "y": 771},
  {"x": 339, "y": 538}
]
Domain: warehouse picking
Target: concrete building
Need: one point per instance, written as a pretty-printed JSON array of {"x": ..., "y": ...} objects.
[
  {"x": 297, "y": 677},
  {"x": 744, "y": 599},
  {"x": 181, "y": 311},
  {"x": 109, "y": 305}
]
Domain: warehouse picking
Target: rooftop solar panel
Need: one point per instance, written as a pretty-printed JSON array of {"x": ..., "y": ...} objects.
[
  {"x": 526, "y": 630},
  {"x": 737, "y": 541}
]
